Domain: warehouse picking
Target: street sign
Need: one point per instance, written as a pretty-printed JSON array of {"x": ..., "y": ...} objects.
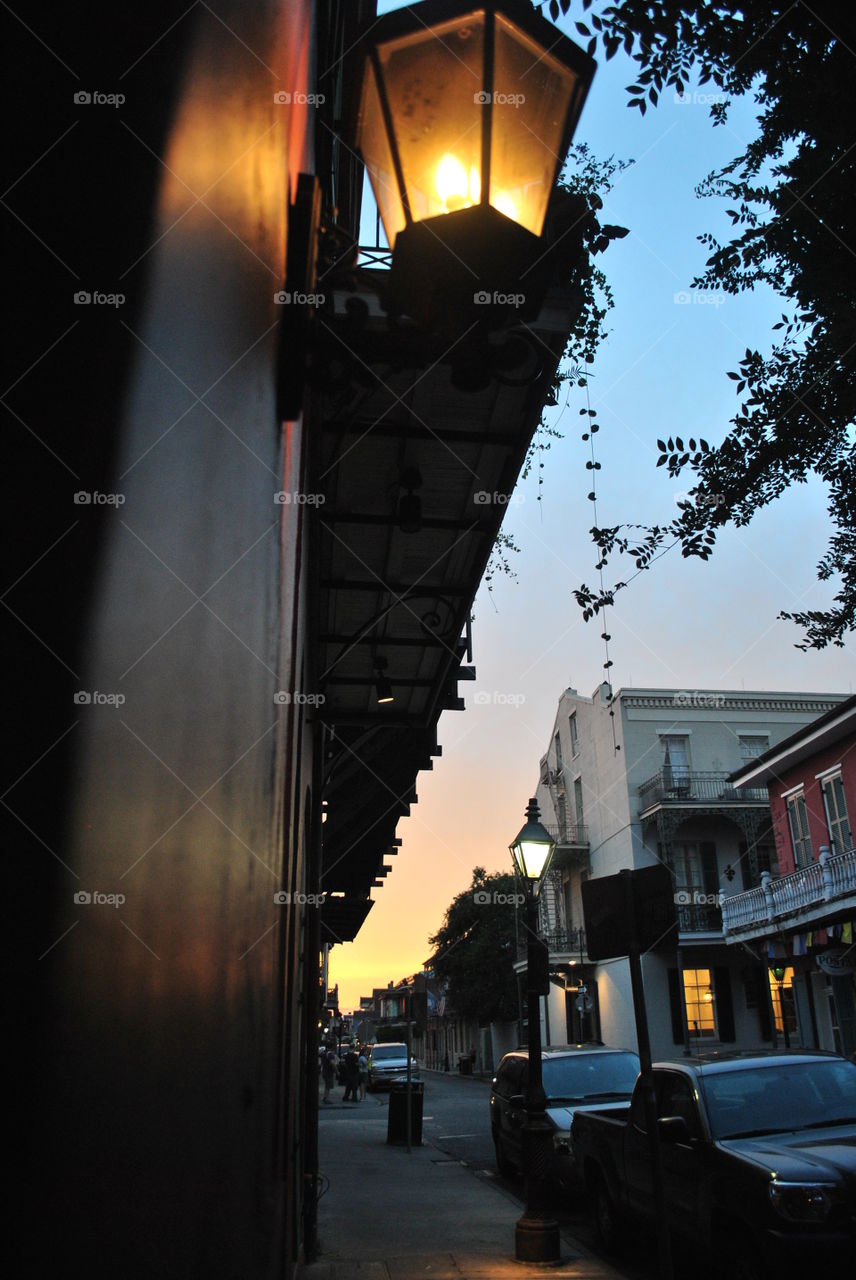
[{"x": 609, "y": 926}]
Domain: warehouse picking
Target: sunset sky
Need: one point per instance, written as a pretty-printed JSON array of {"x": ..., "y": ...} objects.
[{"x": 684, "y": 624}]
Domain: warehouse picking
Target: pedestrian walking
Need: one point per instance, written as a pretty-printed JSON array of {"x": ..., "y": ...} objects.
[
  {"x": 328, "y": 1072},
  {"x": 363, "y": 1064},
  {"x": 352, "y": 1077}
]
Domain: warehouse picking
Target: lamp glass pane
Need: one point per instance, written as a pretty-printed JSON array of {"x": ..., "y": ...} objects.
[
  {"x": 533, "y": 855},
  {"x": 374, "y": 146},
  {"x": 532, "y": 95},
  {"x": 433, "y": 80}
]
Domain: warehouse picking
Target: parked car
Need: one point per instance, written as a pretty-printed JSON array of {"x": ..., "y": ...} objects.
[
  {"x": 759, "y": 1161},
  {"x": 575, "y": 1077},
  {"x": 388, "y": 1062}
]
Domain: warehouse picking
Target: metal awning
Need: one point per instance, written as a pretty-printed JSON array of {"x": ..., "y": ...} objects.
[{"x": 395, "y": 412}]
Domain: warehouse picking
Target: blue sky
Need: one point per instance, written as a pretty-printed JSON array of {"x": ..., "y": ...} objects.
[{"x": 683, "y": 624}]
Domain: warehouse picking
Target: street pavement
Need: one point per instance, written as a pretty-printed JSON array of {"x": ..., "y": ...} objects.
[{"x": 389, "y": 1214}]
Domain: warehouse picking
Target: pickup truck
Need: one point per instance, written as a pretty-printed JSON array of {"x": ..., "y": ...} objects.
[{"x": 758, "y": 1155}]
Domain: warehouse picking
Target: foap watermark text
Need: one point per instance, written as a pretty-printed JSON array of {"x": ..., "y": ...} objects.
[
  {"x": 93, "y": 698},
  {"x": 495, "y": 697},
  {"x": 283, "y": 698},
  {"x": 482, "y": 898}
]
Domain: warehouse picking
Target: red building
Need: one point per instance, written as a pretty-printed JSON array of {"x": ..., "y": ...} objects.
[{"x": 806, "y": 914}]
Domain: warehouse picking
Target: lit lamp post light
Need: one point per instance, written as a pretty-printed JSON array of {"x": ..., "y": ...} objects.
[
  {"x": 536, "y": 1234},
  {"x": 465, "y": 117}
]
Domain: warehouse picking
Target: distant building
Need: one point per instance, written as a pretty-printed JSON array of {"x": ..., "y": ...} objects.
[
  {"x": 384, "y": 1014},
  {"x": 805, "y": 915},
  {"x": 646, "y": 776}
]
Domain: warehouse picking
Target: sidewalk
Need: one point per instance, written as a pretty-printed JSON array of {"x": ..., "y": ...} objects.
[{"x": 393, "y": 1215}]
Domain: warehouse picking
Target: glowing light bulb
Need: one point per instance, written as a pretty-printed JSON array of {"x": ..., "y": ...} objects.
[
  {"x": 502, "y": 201},
  {"x": 451, "y": 182}
]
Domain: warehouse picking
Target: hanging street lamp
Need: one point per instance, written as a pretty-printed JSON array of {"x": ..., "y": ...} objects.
[
  {"x": 465, "y": 117},
  {"x": 536, "y": 1234}
]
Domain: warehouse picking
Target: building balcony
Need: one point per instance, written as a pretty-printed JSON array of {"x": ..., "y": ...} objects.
[
  {"x": 565, "y": 946},
  {"x": 572, "y": 845},
  {"x": 807, "y": 896},
  {"x": 674, "y": 786},
  {"x": 699, "y": 916}
]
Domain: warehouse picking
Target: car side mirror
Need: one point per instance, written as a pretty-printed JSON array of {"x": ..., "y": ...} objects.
[{"x": 673, "y": 1130}]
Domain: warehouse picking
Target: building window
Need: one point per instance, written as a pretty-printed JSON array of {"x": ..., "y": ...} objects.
[
  {"x": 562, "y": 815},
  {"x": 575, "y": 742},
  {"x": 675, "y": 760},
  {"x": 558, "y": 744},
  {"x": 699, "y": 997},
  {"x": 753, "y": 745},
  {"x": 784, "y": 1005},
  {"x": 800, "y": 836},
  {"x": 578, "y": 800},
  {"x": 837, "y": 821}
]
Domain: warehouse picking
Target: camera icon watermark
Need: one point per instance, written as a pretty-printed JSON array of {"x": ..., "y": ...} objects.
[
  {"x": 87, "y": 698},
  {"x": 696, "y": 99},
  {"x": 87, "y": 498},
  {"x": 84, "y": 98},
  {"x": 293, "y": 298},
  {"x": 283, "y": 698},
  {"x": 295, "y": 499},
  {"x": 482, "y": 298},
  {"x": 83, "y": 898},
  {"x": 483, "y": 498},
  {"x": 699, "y": 499},
  {"x": 496, "y": 698},
  {"x": 484, "y": 898},
  {"x": 695, "y": 898},
  {"x": 698, "y": 298},
  {"x": 484, "y": 99},
  {"x": 285, "y": 99},
  {"x": 284, "y": 898},
  {"x": 697, "y": 698},
  {"x": 85, "y": 298}
]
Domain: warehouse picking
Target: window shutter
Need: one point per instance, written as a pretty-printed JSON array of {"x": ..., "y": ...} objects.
[
  {"x": 724, "y": 1004},
  {"x": 675, "y": 1007},
  {"x": 709, "y": 868}
]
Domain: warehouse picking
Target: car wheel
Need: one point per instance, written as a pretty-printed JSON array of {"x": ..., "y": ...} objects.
[
  {"x": 610, "y": 1228},
  {"x": 503, "y": 1164}
]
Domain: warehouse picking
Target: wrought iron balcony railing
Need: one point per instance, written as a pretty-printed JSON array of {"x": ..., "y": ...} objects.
[
  {"x": 560, "y": 942},
  {"x": 675, "y": 785},
  {"x": 571, "y": 835}
]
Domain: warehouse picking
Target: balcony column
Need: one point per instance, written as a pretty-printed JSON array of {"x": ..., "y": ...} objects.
[
  {"x": 826, "y": 873},
  {"x": 768, "y": 893}
]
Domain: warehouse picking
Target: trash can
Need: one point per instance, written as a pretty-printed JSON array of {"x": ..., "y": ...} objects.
[
  {"x": 396, "y": 1128},
  {"x": 465, "y": 1066}
]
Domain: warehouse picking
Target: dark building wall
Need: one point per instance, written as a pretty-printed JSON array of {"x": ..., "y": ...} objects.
[{"x": 165, "y": 1055}]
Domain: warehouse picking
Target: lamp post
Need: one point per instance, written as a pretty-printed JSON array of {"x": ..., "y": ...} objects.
[
  {"x": 465, "y": 115},
  {"x": 536, "y": 1235}
]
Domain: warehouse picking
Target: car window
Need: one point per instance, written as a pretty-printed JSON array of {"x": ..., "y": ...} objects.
[
  {"x": 781, "y": 1096},
  {"x": 383, "y": 1052},
  {"x": 590, "y": 1077},
  {"x": 675, "y": 1098},
  {"x": 509, "y": 1076}
]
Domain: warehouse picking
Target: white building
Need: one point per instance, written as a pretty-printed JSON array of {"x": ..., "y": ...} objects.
[{"x": 640, "y": 777}]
